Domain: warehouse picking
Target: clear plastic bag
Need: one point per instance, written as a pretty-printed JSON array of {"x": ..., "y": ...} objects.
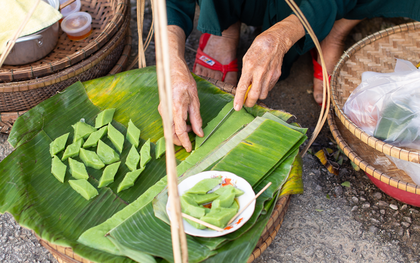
[{"x": 387, "y": 106}]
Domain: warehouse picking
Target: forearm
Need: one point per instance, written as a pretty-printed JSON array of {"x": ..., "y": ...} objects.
[
  {"x": 176, "y": 37},
  {"x": 288, "y": 31}
]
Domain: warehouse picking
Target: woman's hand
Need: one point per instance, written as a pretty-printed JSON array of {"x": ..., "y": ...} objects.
[
  {"x": 184, "y": 92},
  {"x": 263, "y": 60}
]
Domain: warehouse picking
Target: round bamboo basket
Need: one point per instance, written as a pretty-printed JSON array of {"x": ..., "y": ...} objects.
[
  {"x": 377, "y": 52},
  {"x": 108, "y": 17},
  {"x": 23, "y": 95},
  {"x": 66, "y": 254},
  {"x": 380, "y": 170},
  {"x": 7, "y": 119}
]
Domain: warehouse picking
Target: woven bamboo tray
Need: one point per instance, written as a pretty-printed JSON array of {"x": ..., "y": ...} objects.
[
  {"x": 7, "y": 119},
  {"x": 108, "y": 17},
  {"x": 23, "y": 95},
  {"x": 66, "y": 254},
  {"x": 377, "y": 52},
  {"x": 382, "y": 172}
]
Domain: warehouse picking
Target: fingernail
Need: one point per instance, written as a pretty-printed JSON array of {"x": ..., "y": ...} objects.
[
  {"x": 237, "y": 107},
  {"x": 201, "y": 131}
]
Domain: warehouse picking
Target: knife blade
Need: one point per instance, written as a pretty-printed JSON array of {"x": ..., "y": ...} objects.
[{"x": 224, "y": 118}]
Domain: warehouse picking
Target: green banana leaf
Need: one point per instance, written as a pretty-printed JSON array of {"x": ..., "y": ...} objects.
[
  {"x": 252, "y": 158},
  {"x": 39, "y": 202}
]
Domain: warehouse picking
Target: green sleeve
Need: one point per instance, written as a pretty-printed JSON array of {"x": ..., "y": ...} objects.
[
  {"x": 181, "y": 13},
  {"x": 321, "y": 15}
]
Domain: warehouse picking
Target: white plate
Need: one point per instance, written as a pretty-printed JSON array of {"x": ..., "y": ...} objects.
[{"x": 244, "y": 199}]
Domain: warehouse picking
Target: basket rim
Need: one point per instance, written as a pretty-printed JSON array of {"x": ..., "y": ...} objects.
[
  {"x": 95, "y": 45},
  {"x": 386, "y": 148},
  {"x": 364, "y": 165},
  {"x": 71, "y": 71}
]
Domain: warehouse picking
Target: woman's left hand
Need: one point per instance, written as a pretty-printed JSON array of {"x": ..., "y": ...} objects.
[{"x": 263, "y": 60}]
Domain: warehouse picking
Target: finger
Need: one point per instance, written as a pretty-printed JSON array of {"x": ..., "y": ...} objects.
[
  {"x": 175, "y": 138},
  {"x": 194, "y": 112},
  {"x": 267, "y": 85},
  {"x": 181, "y": 129},
  {"x": 254, "y": 93},
  {"x": 241, "y": 90}
]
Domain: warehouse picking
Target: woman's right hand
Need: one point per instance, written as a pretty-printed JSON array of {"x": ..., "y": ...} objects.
[{"x": 184, "y": 92}]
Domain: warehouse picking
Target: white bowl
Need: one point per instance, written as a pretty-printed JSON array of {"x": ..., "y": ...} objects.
[{"x": 243, "y": 200}]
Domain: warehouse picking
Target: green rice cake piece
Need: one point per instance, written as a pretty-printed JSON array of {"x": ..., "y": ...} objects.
[
  {"x": 235, "y": 204},
  {"x": 221, "y": 190},
  {"x": 160, "y": 148},
  {"x": 227, "y": 198},
  {"x": 129, "y": 180},
  {"x": 106, "y": 153},
  {"x": 190, "y": 207},
  {"x": 58, "y": 169},
  {"x": 116, "y": 137},
  {"x": 215, "y": 204},
  {"x": 204, "y": 186},
  {"x": 108, "y": 174},
  {"x": 58, "y": 144},
  {"x": 91, "y": 159},
  {"x": 145, "y": 156},
  {"x": 94, "y": 137},
  {"x": 104, "y": 117},
  {"x": 82, "y": 130},
  {"x": 219, "y": 216},
  {"x": 78, "y": 169},
  {"x": 73, "y": 149},
  {"x": 133, "y": 134},
  {"x": 194, "y": 224},
  {"x": 84, "y": 188},
  {"x": 133, "y": 158},
  {"x": 203, "y": 199}
]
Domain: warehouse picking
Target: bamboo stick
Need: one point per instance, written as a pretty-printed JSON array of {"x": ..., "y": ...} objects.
[
  {"x": 140, "y": 19},
  {"x": 250, "y": 202},
  {"x": 12, "y": 42},
  {"x": 66, "y": 4},
  {"x": 218, "y": 229},
  {"x": 326, "y": 98},
  {"x": 165, "y": 94}
]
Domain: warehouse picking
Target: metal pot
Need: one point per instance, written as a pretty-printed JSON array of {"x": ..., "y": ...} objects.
[{"x": 33, "y": 47}]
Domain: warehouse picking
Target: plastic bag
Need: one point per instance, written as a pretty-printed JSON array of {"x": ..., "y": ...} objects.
[{"x": 387, "y": 106}]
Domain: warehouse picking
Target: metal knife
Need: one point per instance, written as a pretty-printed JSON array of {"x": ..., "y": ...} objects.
[{"x": 225, "y": 118}]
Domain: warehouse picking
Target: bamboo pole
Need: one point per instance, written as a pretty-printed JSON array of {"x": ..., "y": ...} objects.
[
  {"x": 140, "y": 19},
  {"x": 326, "y": 83},
  {"x": 165, "y": 94},
  {"x": 12, "y": 42}
]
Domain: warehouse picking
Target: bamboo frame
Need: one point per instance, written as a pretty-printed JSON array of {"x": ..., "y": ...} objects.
[
  {"x": 180, "y": 251},
  {"x": 12, "y": 42},
  {"x": 326, "y": 98}
]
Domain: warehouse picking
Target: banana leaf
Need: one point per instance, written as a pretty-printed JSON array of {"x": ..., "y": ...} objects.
[
  {"x": 252, "y": 159},
  {"x": 53, "y": 210}
]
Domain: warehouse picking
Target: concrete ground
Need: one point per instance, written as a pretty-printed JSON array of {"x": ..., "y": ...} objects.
[{"x": 328, "y": 223}]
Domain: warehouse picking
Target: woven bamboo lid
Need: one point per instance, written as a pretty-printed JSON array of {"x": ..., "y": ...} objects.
[
  {"x": 107, "y": 18},
  {"x": 377, "y": 52}
]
